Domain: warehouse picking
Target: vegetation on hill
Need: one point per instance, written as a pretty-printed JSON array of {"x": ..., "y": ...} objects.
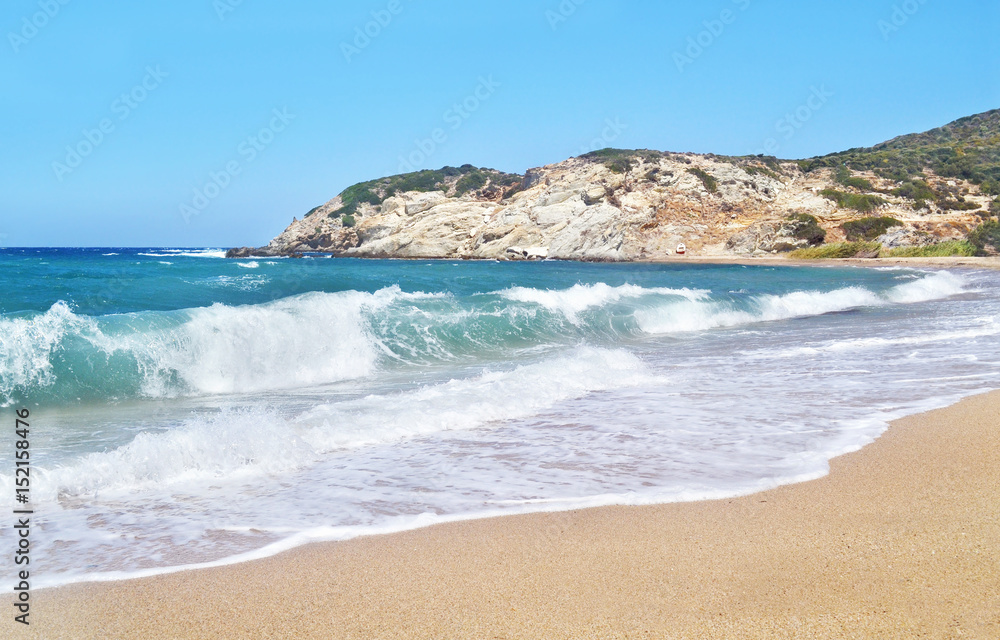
[
  {"x": 843, "y": 176},
  {"x": 838, "y": 250},
  {"x": 863, "y": 203},
  {"x": 622, "y": 160},
  {"x": 986, "y": 238},
  {"x": 465, "y": 178},
  {"x": 868, "y": 228},
  {"x": 711, "y": 184},
  {"x": 968, "y": 148},
  {"x": 807, "y": 228},
  {"x": 940, "y": 250}
]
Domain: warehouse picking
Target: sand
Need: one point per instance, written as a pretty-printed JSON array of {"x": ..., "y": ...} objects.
[
  {"x": 901, "y": 540},
  {"x": 955, "y": 262}
]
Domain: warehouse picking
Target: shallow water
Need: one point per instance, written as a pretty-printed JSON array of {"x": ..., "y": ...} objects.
[{"x": 188, "y": 409}]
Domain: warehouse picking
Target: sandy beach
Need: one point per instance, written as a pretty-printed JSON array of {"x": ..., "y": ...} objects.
[
  {"x": 985, "y": 262},
  {"x": 900, "y": 540}
]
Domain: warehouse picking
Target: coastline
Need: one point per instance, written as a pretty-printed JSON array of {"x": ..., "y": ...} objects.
[
  {"x": 986, "y": 263},
  {"x": 901, "y": 538}
]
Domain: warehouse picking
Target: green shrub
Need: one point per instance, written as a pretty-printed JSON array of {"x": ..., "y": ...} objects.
[
  {"x": 939, "y": 250},
  {"x": 957, "y": 204},
  {"x": 968, "y": 148},
  {"x": 986, "y": 238},
  {"x": 868, "y": 228},
  {"x": 711, "y": 184},
  {"x": 916, "y": 190},
  {"x": 754, "y": 170},
  {"x": 348, "y": 220},
  {"x": 862, "y": 203},
  {"x": 621, "y": 160},
  {"x": 471, "y": 182},
  {"x": 844, "y": 177},
  {"x": 836, "y": 250},
  {"x": 808, "y": 228}
]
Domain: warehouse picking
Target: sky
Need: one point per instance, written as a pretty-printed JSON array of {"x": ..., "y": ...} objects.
[{"x": 214, "y": 122}]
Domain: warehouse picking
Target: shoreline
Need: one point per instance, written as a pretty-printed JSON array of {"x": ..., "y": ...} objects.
[
  {"x": 608, "y": 570},
  {"x": 952, "y": 262},
  {"x": 991, "y": 263}
]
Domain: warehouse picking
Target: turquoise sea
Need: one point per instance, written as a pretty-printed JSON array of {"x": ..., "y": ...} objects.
[{"x": 188, "y": 410}]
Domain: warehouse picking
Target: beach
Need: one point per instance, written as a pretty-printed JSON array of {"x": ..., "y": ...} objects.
[{"x": 901, "y": 539}]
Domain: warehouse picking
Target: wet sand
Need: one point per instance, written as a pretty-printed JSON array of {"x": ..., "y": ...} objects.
[{"x": 901, "y": 540}]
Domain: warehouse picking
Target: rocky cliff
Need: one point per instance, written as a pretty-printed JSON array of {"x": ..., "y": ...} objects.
[{"x": 615, "y": 205}]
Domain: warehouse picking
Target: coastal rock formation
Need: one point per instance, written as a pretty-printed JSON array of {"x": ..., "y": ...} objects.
[{"x": 615, "y": 205}]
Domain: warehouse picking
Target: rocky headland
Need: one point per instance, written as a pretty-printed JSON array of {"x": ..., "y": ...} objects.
[{"x": 928, "y": 194}]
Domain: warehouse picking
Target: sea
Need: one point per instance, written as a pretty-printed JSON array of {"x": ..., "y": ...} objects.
[{"x": 187, "y": 410}]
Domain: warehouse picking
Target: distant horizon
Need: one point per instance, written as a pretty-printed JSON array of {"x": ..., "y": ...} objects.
[{"x": 208, "y": 124}]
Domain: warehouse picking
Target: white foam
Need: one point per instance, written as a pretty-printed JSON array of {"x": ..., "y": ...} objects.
[
  {"x": 305, "y": 340},
  {"x": 942, "y": 284},
  {"x": 28, "y": 344},
  {"x": 989, "y": 328},
  {"x": 253, "y": 264},
  {"x": 247, "y": 443},
  {"x": 203, "y": 253},
  {"x": 573, "y": 301},
  {"x": 700, "y": 315},
  {"x": 467, "y": 404},
  {"x": 231, "y": 444}
]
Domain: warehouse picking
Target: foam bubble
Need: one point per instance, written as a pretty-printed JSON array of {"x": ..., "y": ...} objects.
[
  {"x": 573, "y": 301},
  {"x": 700, "y": 315},
  {"x": 28, "y": 347},
  {"x": 466, "y": 404}
]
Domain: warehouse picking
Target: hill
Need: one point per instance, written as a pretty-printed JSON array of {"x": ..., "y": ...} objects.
[{"x": 928, "y": 193}]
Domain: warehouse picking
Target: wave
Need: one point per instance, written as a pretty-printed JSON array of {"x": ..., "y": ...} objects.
[
  {"x": 323, "y": 338},
  {"x": 187, "y": 253},
  {"x": 700, "y": 315},
  {"x": 311, "y": 339},
  {"x": 237, "y": 443},
  {"x": 466, "y": 404},
  {"x": 573, "y": 301}
]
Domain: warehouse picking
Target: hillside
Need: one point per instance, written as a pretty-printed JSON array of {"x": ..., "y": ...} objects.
[{"x": 931, "y": 193}]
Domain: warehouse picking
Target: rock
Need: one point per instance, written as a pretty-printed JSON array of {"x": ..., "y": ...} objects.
[
  {"x": 902, "y": 237},
  {"x": 582, "y": 209}
]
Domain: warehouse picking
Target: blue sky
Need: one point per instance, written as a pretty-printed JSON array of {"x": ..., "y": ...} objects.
[{"x": 213, "y": 122}]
